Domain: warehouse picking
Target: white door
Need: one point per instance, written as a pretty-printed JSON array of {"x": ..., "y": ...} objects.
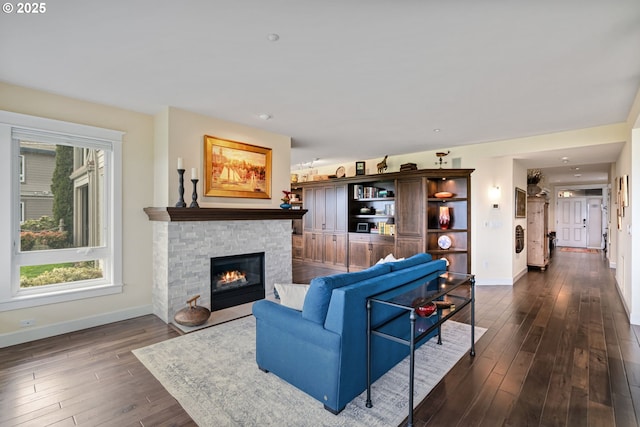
[
  {"x": 594, "y": 223},
  {"x": 572, "y": 222}
]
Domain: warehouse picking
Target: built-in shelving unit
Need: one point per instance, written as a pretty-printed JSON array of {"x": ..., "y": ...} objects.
[{"x": 353, "y": 222}]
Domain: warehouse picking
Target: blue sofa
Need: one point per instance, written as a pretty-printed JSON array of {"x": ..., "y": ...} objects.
[{"x": 323, "y": 349}]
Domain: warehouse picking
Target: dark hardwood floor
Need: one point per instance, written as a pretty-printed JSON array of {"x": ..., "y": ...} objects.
[{"x": 558, "y": 351}]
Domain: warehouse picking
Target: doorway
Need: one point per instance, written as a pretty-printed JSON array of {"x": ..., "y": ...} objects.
[{"x": 579, "y": 220}]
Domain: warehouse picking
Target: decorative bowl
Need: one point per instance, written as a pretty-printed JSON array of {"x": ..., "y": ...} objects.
[
  {"x": 424, "y": 308},
  {"x": 443, "y": 195},
  {"x": 367, "y": 211}
]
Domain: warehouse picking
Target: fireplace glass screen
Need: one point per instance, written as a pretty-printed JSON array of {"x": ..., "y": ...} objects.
[{"x": 236, "y": 279}]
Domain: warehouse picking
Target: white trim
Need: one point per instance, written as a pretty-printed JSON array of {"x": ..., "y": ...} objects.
[
  {"x": 36, "y": 333},
  {"x": 44, "y": 298},
  {"x": 58, "y": 126}
]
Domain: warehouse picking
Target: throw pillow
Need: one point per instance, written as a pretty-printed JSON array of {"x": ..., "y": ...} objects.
[
  {"x": 388, "y": 258},
  {"x": 292, "y": 295}
]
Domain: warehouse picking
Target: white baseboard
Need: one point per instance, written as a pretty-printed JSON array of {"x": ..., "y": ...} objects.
[
  {"x": 46, "y": 331},
  {"x": 504, "y": 281},
  {"x": 491, "y": 282}
]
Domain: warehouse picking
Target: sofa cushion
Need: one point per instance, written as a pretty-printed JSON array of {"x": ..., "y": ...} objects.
[
  {"x": 318, "y": 297},
  {"x": 410, "y": 262}
]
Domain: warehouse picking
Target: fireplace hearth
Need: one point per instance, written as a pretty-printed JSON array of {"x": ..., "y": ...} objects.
[{"x": 237, "y": 279}]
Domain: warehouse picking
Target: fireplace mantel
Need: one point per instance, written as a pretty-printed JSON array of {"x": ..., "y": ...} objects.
[{"x": 170, "y": 214}]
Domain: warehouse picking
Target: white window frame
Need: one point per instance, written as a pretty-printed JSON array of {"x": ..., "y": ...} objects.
[{"x": 11, "y": 295}]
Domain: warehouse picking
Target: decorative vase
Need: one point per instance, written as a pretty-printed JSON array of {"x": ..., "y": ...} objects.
[
  {"x": 533, "y": 189},
  {"x": 444, "y": 218},
  {"x": 285, "y": 205}
]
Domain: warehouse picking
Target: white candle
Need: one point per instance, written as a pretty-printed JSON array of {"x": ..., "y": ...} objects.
[
  {"x": 180, "y": 165},
  {"x": 194, "y": 173}
]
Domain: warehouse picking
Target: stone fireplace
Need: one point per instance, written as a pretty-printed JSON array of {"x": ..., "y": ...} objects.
[{"x": 185, "y": 240}]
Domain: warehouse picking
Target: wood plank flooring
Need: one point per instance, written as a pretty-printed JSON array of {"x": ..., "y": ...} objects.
[{"x": 558, "y": 351}]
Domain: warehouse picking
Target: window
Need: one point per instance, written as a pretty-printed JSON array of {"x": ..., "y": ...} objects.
[{"x": 65, "y": 222}]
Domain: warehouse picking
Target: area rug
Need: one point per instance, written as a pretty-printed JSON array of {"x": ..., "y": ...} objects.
[
  {"x": 213, "y": 375},
  {"x": 579, "y": 250}
]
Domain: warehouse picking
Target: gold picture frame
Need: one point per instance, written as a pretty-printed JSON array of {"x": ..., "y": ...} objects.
[{"x": 236, "y": 169}]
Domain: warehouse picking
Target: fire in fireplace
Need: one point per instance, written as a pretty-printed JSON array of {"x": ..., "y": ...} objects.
[{"x": 236, "y": 279}]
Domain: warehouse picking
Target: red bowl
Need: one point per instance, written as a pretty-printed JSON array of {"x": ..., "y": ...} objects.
[{"x": 426, "y": 310}]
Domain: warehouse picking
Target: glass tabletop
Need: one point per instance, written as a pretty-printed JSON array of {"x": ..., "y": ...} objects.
[{"x": 406, "y": 296}]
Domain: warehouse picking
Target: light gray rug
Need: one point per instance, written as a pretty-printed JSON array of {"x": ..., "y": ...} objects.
[{"x": 214, "y": 376}]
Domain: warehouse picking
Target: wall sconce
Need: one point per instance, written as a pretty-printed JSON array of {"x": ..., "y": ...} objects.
[{"x": 494, "y": 196}]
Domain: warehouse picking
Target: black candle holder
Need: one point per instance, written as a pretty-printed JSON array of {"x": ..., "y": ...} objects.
[
  {"x": 194, "y": 196},
  {"x": 181, "y": 203}
]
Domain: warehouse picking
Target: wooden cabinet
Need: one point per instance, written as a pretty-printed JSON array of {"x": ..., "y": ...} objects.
[
  {"x": 537, "y": 232},
  {"x": 403, "y": 218},
  {"x": 367, "y": 249},
  {"x": 325, "y": 224}
]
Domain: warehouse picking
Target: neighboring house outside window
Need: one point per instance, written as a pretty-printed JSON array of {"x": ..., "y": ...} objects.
[
  {"x": 65, "y": 225},
  {"x": 36, "y": 167}
]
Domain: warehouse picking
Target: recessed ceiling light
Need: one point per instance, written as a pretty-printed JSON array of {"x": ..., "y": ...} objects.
[
  {"x": 265, "y": 116},
  {"x": 273, "y": 37},
  {"x": 436, "y": 130}
]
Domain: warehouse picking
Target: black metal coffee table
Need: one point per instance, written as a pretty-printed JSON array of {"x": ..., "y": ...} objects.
[{"x": 453, "y": 289}]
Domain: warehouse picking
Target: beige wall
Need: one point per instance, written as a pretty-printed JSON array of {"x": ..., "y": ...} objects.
[
  {"x": 151, "y": 146},
  {"x": 137, "y": 155},
  {"x": 185, "y": 139}
]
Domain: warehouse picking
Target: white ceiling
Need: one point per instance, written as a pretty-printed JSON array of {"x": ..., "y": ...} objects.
[{"x": 347, "y": 79}]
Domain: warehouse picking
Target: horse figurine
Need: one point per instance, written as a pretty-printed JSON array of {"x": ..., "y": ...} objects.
[{"x": 382, "y": 166}]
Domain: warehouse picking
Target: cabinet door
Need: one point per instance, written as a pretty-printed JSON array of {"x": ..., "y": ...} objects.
[
  {"x": 335, "y": 249},
  {"x": 319, "y": 208},
  {"x": 308, "y": 203},
  {"x": 381, "y": 250},
  {"x": 313, "y": 246},
  {"x": 297, "y": 246},
  {"x": 408, "y": 246},
  {"x": 410, "y": 207},
  {"x": 341, "y": 209},
  {"x": 359, "y": 254},
  {"x": 335, "y": 208}
]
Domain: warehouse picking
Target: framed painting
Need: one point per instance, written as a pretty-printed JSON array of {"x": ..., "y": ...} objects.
[
  {"x": 236, "y": 169},
  {"x": 521, "y": 203}
]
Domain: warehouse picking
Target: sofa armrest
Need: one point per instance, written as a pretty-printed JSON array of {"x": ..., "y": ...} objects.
[
  {"x": 287, "y": 319},
  {"x": 299, "y": 351}
]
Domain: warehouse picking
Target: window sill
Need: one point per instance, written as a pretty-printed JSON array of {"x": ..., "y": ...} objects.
[{"x": 25, "y": 301}]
